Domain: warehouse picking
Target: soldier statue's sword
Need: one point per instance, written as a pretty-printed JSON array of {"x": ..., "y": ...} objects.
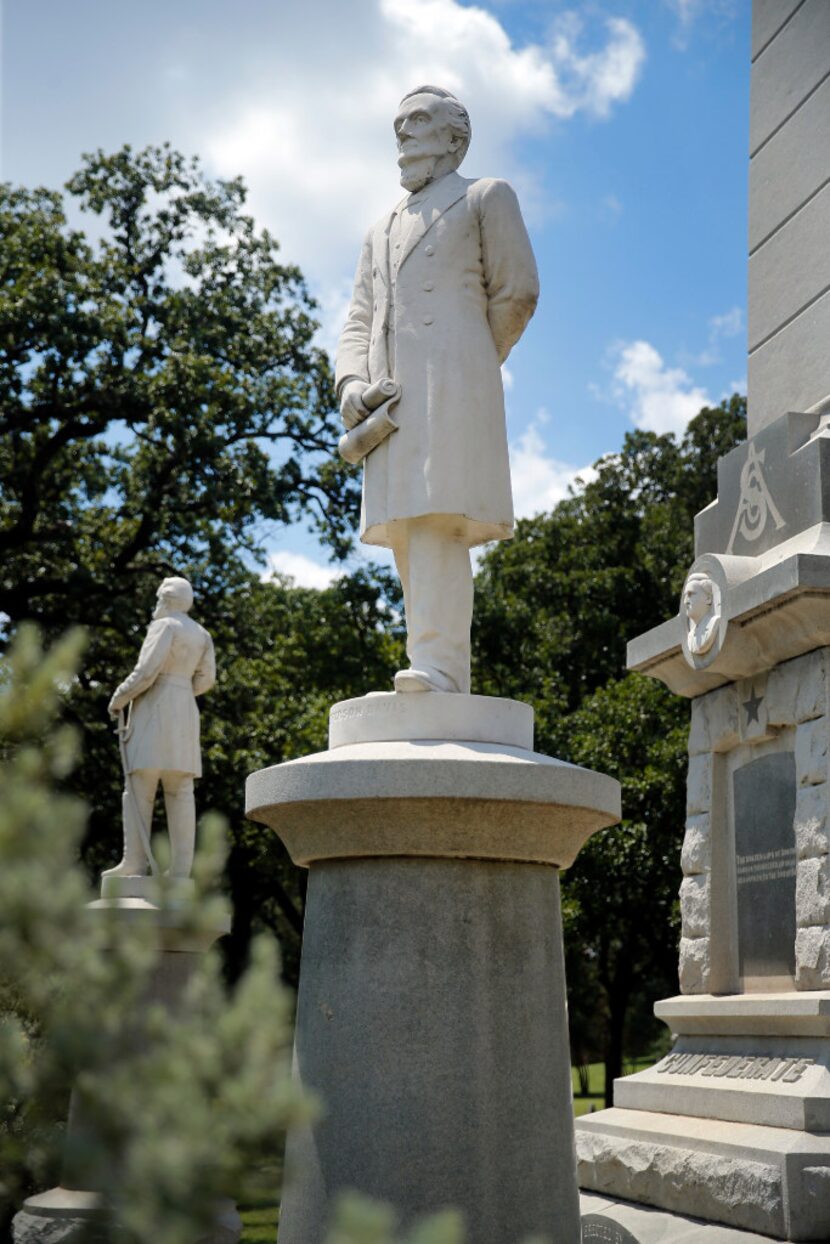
[{"x": 122, "y": 729}]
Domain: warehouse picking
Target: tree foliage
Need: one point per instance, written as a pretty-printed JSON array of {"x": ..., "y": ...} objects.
[
  {"x": 160, "y": 393},
  {"x": 164, "y": 409}
]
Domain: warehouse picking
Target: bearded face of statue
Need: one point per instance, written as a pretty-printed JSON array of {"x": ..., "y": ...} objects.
[{"x": 427, "y": 144}]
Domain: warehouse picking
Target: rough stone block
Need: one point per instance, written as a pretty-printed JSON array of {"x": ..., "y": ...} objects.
[
  {"x": 812, "y": 958},
  {"x": 814, "y": 1203},
  {"x": 812, "y": 892},
  {"x": 699, "y": 784},
  {"x": 694, "y": 906},
  {"x": 694, "y": 965},
  {"x": 714, "y": 725},
  {"x": 796, "y": 690},
  {"x": 811, "y": 752},
  {"x": 743, "y": 1193},
  {"x": 811, "y": 833},
  {"x": 696, "y": 856}
]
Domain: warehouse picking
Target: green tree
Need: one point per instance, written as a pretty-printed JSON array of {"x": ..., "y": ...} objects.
[
  {"x": 160, "y": 392},
  {"x": 163, "y": 408},
  {"x": 554, "y": 610}
]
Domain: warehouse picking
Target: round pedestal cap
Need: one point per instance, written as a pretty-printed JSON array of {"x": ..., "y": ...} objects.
[{"x": 394, "y": 716}]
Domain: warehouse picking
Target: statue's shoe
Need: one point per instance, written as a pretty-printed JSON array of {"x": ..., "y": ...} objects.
[
  {"x": 421, "y": 680},
  {"x": 126, "y": 869}
]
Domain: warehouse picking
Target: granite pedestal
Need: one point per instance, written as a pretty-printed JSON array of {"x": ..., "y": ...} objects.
[
  {"x": 73, "y": 1212},
  {"x": 431, "y": 1015}
]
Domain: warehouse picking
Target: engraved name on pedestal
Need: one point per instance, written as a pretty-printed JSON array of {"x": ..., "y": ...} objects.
[
  {"x": 735, "y": 1066},
  {"x": 764, "y": 794}
]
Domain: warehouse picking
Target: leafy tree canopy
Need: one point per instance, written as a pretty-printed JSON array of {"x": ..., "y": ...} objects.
[{"x": 160, "y": 392}]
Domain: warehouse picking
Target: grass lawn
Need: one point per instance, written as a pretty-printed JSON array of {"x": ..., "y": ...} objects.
[{"x": 258, "y": 1204}]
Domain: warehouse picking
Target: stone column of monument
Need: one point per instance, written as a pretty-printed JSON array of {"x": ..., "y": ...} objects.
[
  {"x": 431, "y": 1015},
  {"x": 159, "y": 743},
  {"x": 733, "y": 1126}
]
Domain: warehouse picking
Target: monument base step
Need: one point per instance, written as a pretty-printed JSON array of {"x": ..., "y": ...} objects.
[
  {"x": 607, "y": 1221},
  {"x": 771, "y": 1180}
]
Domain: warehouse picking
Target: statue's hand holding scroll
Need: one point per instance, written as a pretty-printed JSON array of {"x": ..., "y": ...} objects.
[
  {"x": 352, "y": 408},
  {"x": 374, "y": 423}
]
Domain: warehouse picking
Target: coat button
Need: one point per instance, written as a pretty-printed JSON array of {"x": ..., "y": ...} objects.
[
  {"x": 429, "y": 250},
  {"x": 428, "y": 319},
  {"x": 429, "y": 286},
  {"x": 374, "y": 272}
]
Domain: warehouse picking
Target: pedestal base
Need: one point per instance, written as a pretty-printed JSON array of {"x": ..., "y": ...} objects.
[
  {"x": 607, "y": 1221},
  {"x": 67, "y": 1216},
  {"x": 75, "y": 1215}
]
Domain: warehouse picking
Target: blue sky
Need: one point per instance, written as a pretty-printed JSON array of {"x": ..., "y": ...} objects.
[{"x": 623, "y": 125}]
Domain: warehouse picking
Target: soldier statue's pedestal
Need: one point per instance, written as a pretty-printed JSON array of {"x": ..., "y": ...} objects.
[{"x": 69, "y": 1213}]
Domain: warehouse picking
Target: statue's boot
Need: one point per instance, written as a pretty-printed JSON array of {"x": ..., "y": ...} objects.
[{"x": 424, "y": 680}]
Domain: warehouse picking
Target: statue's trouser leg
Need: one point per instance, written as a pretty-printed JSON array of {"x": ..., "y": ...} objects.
[
  {"x": 139, "y": 803},
  {"x": 433, "y": 563},
  {"x": 180, "y": 805}
]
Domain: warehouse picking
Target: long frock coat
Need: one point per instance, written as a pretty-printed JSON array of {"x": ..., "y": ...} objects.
[
  {"x": 440, "y": 314},
  {"x": 176, "y": 663}
]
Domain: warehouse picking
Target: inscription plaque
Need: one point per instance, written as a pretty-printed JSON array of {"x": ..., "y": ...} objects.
[
  {"x": 599, "y": 1230},
  {"x": 765, "y": 864}
]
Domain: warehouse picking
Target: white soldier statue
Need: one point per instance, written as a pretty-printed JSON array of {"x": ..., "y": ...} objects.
[
  {"x": 446, "y": 284},
  {"x": 159, "y": 735}
]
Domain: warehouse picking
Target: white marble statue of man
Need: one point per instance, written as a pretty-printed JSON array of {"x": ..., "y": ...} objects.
[
  {"x": 445, "y": 286},
  {"x": 176, "y": 663}
]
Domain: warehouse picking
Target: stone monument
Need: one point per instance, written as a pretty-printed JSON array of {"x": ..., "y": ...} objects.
[
  {"x": 431, "y": 1015},
  {"x": 159, "y": 742},
  {"x": 733, "y": 1126},
  {"x": 159, "y": 738}
]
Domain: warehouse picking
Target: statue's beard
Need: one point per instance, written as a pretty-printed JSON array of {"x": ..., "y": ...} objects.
[{"x": 416, "y": 171}]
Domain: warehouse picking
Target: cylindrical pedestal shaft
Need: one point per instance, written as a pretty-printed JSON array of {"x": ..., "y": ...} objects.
[{"x": 432, "y": 1023}]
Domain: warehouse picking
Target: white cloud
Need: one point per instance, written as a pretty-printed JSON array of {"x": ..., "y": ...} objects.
[
  {"x": 721, "y": 328},
  {"x": 540, "y": 480},
  {"x": 304, "y": 571},
  {"x": 689, "y": 11},
  {"x": 611, "y": 208},
  {"x": 658, "y": 398},
  {"x": 506, "y": 378},
  {"x": 730, "y": 324},
  {"x": 313, "y": 135},
  {"x": 595, "y": 81}
]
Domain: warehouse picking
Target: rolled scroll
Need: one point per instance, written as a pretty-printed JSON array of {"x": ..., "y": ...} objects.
[{"x": 375, "y": 427}]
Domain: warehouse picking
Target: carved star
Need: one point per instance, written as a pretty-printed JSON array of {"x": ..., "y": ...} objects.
[{"x": 751, "y": 707}]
